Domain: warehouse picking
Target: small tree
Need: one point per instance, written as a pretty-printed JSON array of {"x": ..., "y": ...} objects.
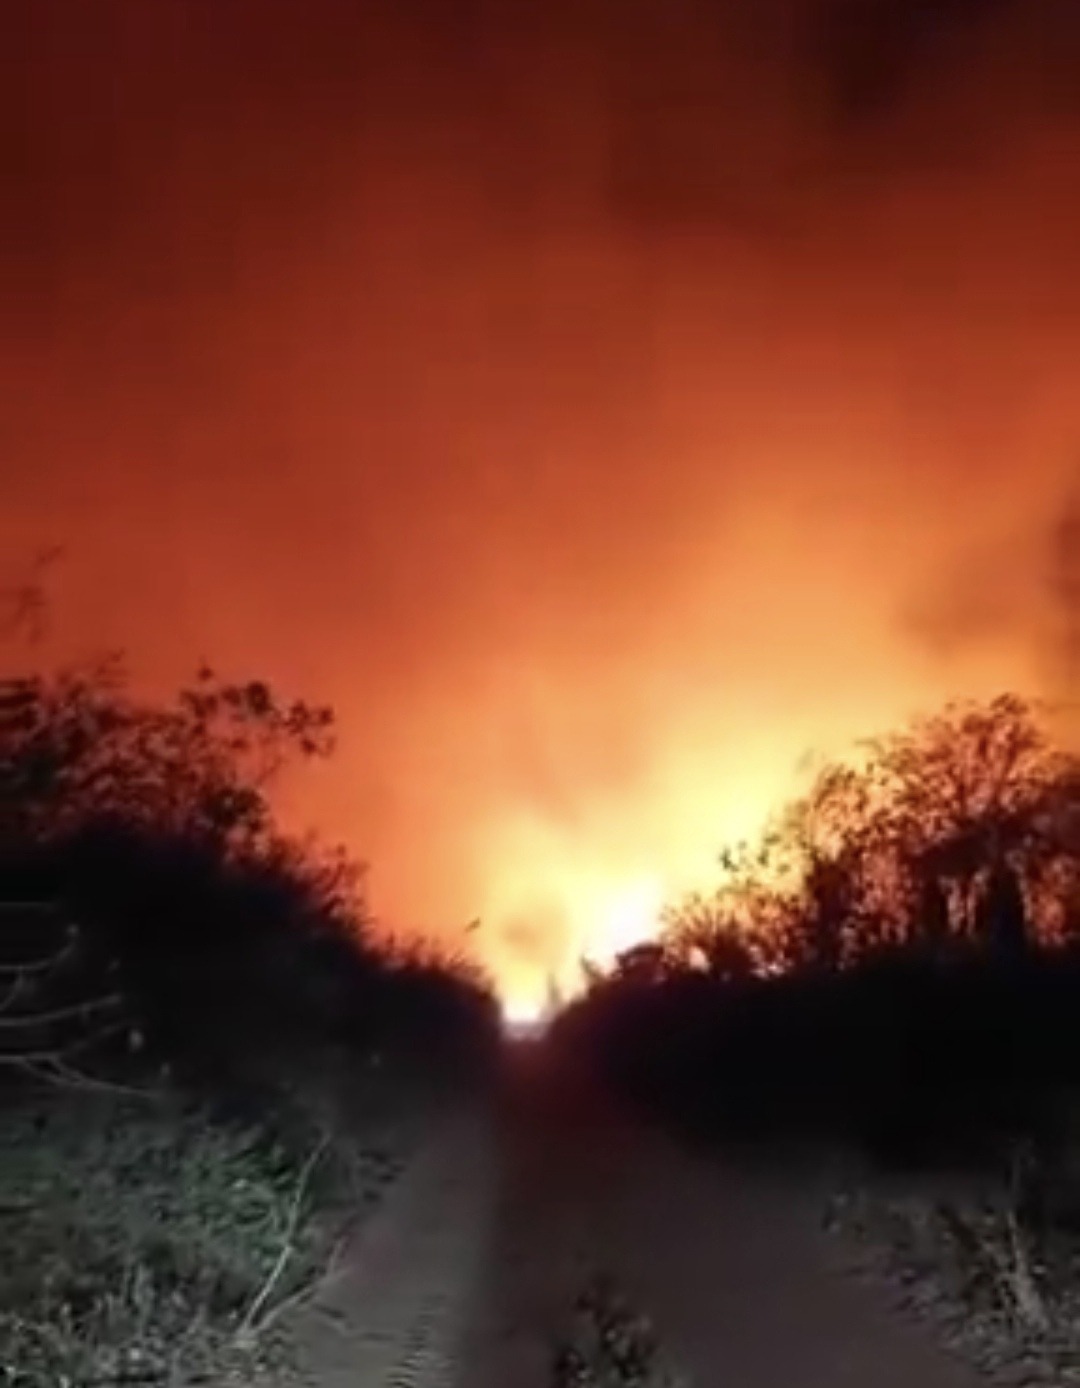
[
  {"x": 958, "y": 791},
  {"x": 77, "y": 747}
]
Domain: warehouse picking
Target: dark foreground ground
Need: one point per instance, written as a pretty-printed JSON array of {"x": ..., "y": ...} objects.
[{"x": 468, "y": 1277}]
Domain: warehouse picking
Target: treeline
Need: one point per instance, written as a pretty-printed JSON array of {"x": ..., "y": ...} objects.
[
  {"x": 153, "y": 912},
  {"x": 899, "y": 958}
]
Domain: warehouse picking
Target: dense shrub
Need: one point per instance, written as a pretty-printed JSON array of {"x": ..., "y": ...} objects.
[
  {"x": 148, "y": 831},
  {"x": 899, "y": 959}
]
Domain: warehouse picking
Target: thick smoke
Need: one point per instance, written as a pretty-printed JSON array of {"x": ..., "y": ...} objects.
[{"x": 600, "y": 405}]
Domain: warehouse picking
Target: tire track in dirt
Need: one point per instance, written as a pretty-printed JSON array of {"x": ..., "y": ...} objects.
[
  {"x": 727, "y": 1260},
  {"x": 557, "y": 1198},
  {"x": 391, "y": 1314}
]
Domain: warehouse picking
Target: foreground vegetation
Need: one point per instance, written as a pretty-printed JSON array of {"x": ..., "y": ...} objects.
[
  {"x": 610, "y": 1344},
  {"x": 895, "y": 970},
  {"x": 209, "y": 1063},
  {"x": 989, "y": 1258},
  {"x": 152, "y": 1241}
]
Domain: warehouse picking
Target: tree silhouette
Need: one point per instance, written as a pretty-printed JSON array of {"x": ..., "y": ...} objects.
[
  {"x": 152, "y": 827},
  {"x": 77, "y": 746},
  {"x": 849, "y": 968},
  {"x": 965, "y": 793}
]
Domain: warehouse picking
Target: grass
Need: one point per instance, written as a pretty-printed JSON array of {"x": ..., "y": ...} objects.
[
  {"x": 992, "y": 1259},
  {"x": 158, "y": 1244},
  {"x": 610, "y": 1344}
]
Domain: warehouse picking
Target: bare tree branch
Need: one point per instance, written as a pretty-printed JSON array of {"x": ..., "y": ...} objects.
[{"x": 61, "y": 1014}]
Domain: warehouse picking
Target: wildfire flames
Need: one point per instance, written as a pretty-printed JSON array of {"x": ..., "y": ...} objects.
[{"x": 600, "y": 407}]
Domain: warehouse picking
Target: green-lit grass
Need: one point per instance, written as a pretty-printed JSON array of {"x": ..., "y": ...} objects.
[{"x": 153, "y": 1244}]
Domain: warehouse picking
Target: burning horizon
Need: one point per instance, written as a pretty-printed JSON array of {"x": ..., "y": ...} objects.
[{"x": 601, "y": 409}]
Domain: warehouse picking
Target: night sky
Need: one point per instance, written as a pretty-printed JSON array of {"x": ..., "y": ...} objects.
[{"x": 601, "y": 404}]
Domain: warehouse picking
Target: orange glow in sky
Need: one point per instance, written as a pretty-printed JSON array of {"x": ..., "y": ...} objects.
[
  {"x": 601, "y": 406},
  {"x": 589, "y": 877}
]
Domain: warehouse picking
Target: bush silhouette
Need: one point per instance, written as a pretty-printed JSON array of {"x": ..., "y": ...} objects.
[
  {"x": 899, "y": 960},
  {"x": 150, "y": 830}
]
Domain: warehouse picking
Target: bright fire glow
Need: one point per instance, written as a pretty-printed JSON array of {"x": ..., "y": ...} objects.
[
  {"x": 605, "y": 918},
  {"x": 522, "y": 1010},
  {"x": 559, "y": 892},
  {"x": 629, "y": 916},
  {"x": 559, "y": 896}
]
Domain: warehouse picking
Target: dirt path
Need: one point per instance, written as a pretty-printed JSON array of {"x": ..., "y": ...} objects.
[
  {"x": 467, "y": 1276},
  {"x": 730, "y": 1261},
  {"x": 746, "y": 1286},
  {"x": 391, "y": 1316},
  {"x": 553, "y": 1216}
]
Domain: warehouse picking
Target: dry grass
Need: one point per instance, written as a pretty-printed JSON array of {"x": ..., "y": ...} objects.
[
  {"x": 610, "y": 1344},
  {"x": 993, "y": 1263},
  {"x": 158, "y": 1246}
]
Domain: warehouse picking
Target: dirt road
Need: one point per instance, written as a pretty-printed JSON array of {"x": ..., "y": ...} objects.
[
  {"x": 392, "y": 1312},
  {"x": 469, "y": 1277}
]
